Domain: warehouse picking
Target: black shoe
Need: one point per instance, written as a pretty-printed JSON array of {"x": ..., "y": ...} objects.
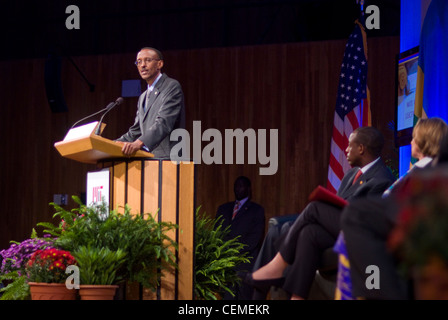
[{"x": 265, "y": 284}]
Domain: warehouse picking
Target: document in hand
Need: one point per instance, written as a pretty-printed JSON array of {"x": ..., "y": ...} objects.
[{"x": 325, "y": 195}]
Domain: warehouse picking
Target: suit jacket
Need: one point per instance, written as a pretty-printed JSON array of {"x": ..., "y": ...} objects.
[
  {"x": 376, "y": 179},
  {"x": 303, "y": 250},
  {"x": 372, "y": 183},
  {"x": 249, "y": 224},
  {"x": 366, "y": 224},
  {"x": 164, "y": 112}
]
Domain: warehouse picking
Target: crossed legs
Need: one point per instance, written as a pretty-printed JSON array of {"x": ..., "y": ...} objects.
[{"x": 315, "y": 230}]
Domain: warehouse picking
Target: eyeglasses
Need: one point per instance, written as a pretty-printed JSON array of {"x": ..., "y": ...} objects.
[{"x": 147, "y": 60}]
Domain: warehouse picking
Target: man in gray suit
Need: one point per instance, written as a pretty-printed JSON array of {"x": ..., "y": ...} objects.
[{"x": 160, "y": 109}]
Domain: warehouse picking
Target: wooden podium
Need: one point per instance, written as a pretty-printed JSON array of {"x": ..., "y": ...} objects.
[
  {"x": 152, "y": 186},
  {"x": 93, "y": 148}
]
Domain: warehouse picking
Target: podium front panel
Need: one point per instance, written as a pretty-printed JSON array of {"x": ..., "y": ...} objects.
[{"x": 164, "y": 189}]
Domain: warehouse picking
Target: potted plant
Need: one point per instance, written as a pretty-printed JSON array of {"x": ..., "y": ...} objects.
[
  {"x": 99, "y": 270},
  {"x": 12, "y": 270},
  {"x": 215, "y": 258},
  {"x": 149, "y": 252},
  {"x": 46, "y": 274}
]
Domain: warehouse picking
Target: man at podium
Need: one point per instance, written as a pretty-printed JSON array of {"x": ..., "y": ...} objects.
[{"x": 160, "y": 109}]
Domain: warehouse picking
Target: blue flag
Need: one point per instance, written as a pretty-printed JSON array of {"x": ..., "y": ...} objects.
[{"x": 431, "y": 98}]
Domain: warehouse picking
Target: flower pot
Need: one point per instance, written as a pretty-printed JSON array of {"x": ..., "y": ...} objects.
[
  {"x": 97, "y": 292},
  {"x": 51, "y": 291}
]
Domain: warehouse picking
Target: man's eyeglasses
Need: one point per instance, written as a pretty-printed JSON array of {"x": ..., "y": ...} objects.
[{"x": 147, "y": 60}]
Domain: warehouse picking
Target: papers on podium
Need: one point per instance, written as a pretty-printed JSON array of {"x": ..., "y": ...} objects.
[{"x": 83, "y": 131}]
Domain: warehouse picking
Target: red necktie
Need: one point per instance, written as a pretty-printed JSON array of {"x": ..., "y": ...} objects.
[
  {"x": 358, "y": 174},
  {"x": 235, "y": 209}
]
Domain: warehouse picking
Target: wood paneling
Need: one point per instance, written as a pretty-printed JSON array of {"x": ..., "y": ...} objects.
[
  {"x": 186, "y": 239},
  {"x": 288, "y": 87}
]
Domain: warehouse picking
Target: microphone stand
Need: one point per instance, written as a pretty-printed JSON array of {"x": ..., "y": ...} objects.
[
  {"x": 98, "y": 112},
  {"x": 98, "y": 128},
  {"x": 109, "y": 107}
]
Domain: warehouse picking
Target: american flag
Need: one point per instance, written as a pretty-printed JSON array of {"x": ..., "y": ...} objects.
[{"x": 352, "y": 104}]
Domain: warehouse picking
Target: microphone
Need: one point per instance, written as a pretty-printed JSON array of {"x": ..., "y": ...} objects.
[
  {"x": 109, "y": 107},
  {"x": 98, "y": 112}
]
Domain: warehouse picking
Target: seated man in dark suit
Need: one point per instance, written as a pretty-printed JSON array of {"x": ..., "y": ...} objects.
[
  {"x": 317, "y": 226},
  {"x": 247, "y": 220},
  {"x": 367, "y": 223}
]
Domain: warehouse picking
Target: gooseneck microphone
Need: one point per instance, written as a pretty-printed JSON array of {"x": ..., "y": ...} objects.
[
  {"x": 108, "y": 108},
  {"x": 94, "y": 114}
]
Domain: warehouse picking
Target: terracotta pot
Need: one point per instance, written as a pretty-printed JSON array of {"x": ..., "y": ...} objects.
[
  {"x": 51, "y": 291},
  {"x": 97, "y": 292}
]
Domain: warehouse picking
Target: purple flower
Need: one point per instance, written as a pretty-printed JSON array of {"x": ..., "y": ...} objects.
[{"x": 16, "y": 256}]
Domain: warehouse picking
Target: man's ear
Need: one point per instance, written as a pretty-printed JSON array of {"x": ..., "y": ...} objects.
[{"x": 362, "y": 149}]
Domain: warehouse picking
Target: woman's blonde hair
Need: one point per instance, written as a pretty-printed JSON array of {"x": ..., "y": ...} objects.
[{"x": 428, "y": 134}]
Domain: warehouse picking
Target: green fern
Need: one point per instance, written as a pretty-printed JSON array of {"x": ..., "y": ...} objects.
[
  {"x": 17, "y": 288},
  {"x": 144, "y": 240},
  {"x": 99, "y": 265},
  {"x": 216, "y": 258}
]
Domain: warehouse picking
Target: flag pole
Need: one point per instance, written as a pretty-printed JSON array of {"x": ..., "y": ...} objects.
[
  {"x": 362, "y": 5},
  {"x": 361, "y": 2}
]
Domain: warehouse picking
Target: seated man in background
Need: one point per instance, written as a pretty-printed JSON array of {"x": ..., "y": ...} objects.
[
  {"x": 318, "y": 225},
  {"x": 247, "y": 220},
  {"x": 367, "y": 223}
]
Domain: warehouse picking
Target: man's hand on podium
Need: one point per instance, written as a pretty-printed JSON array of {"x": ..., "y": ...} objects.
[{"x": 129, "y": 148}]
